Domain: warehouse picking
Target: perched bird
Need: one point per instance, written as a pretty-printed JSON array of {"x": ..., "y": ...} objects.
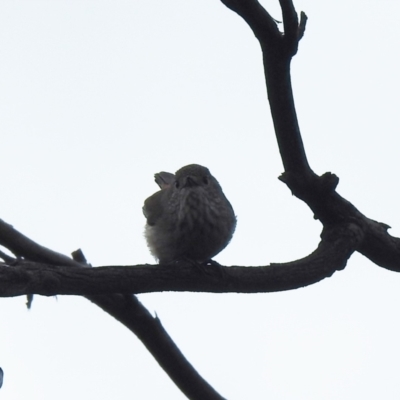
[{"x": 189, "y": 218}]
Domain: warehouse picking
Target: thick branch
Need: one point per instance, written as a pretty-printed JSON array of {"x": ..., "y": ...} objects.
[
  {"x": 336, "y": 247},
  {"x": 380, "y": 247},
  {"x": 125, "y": 308},
  {"x": 318, "y": 192},
  {"x": 278, "y": 50}
]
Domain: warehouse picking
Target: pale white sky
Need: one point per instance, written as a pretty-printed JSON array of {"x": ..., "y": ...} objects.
[{"x": 97, "y": 96}]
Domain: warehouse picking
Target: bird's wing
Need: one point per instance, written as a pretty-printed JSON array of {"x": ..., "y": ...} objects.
[{"x": 153, "y": 207}]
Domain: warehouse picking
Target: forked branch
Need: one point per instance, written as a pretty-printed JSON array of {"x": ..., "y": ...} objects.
[
  {"x": 126, "y": 308},
  {"x": 318, "y": 192}
]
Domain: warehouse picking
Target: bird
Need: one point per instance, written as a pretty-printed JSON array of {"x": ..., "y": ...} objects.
[{"x": 189, "y": 218}]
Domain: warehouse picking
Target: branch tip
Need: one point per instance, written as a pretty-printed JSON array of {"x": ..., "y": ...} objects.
[
  {"x": 329, "y": 181},
  {"x": 302, "y": 25},
  {"x": 78, "y": 256}
]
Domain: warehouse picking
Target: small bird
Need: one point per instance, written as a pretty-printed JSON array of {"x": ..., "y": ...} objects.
[{"x": 189, "y": 218}]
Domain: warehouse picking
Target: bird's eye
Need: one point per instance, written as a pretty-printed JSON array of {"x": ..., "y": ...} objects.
[
  {"x": 205, "y": 180},
  {"x": 177, "y": 184}
]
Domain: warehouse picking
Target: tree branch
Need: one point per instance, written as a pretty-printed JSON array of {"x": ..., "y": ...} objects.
[
  {"x": 318, "y": 192},
  {"x": 126, "y": 308},
  {"x": 335, "y": 248},
  {"x": 130, "y": 312}
]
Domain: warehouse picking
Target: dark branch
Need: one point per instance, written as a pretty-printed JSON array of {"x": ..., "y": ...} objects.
[
  {"x": 278, "y": 50},
  {"x": 126, "y": 308},
  {"x": 318, "y": 192},
  {"x": 380, "y": 247},
  {"x": 258, "y": 19},
  {"x": 332, "y": 254},
  {"x": 130, "y": 312},
  {"x": 22, "y": 246}
]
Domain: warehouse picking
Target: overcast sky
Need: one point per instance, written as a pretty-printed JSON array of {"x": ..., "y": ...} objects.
[{"x": 97, "y": 96}]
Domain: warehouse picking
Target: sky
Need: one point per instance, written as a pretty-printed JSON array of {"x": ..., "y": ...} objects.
[{"x": 97, "y": 96}]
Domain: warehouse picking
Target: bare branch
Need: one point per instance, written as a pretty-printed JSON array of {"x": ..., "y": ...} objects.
[
  {"x": 302, "y": 26},
  {"x": 126, "y": 308},
  {"x": 336, "y": 247},
  {"x": 317, "y": 191},
  {"x": 255, "y": 15},
  {"x": 130, "y": 312},
  {"x": 380, "y": 247},
  {"x": 278, "y": 50},
  {"x": 22, "y": 246}
]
